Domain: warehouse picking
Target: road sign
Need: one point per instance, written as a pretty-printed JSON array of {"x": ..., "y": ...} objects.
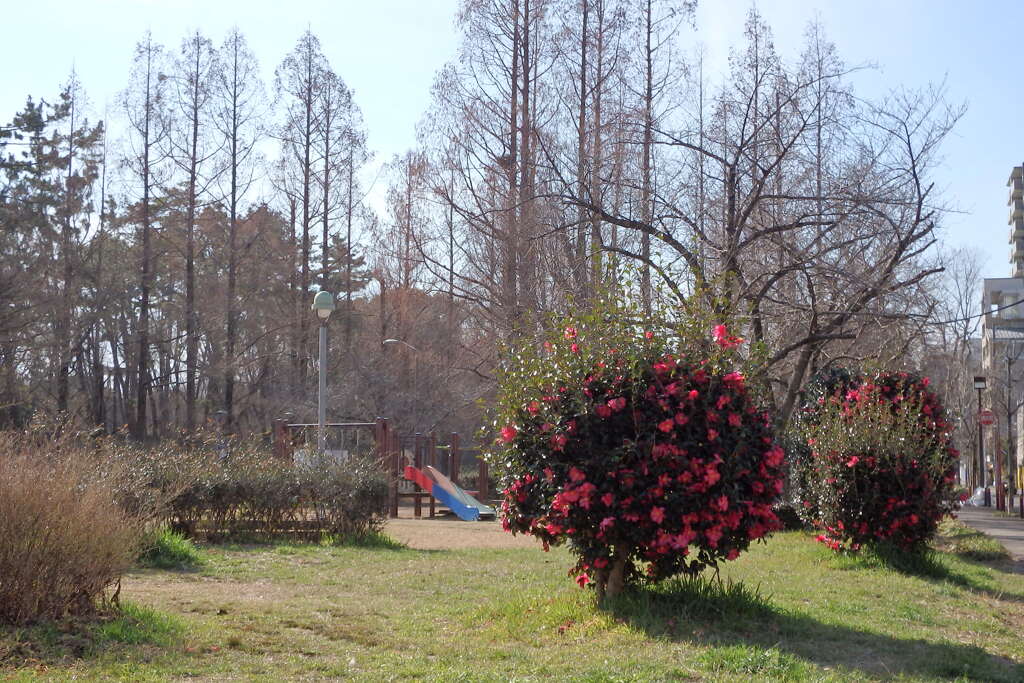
[{"x": 986, "y": 417}]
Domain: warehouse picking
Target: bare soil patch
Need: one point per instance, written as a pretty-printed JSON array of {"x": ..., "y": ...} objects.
[{"x": 451, "y": 533}]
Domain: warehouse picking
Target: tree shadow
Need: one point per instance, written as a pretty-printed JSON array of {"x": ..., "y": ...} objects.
[
  {"x": 930, "y": 567},
  {"x": 722, "y": 614}
]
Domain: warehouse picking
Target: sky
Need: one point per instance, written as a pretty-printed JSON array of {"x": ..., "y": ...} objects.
[{"x": 388, "y": 51}]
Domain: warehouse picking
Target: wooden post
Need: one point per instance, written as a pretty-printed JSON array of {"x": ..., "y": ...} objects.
[
  {"x": 481, "y": 487},
  {"x": 454, "y": 459},
  {"x": 417, "y": 458},
  {"x": 282, "y": 440},
  {"x": 432, "y": 446},
  {"x": 388, "y": 463},
  {"x": 394, "y": 466}
]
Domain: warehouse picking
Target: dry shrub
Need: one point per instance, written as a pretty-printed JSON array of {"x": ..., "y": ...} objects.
[
  {"x": 250, "y": 495},
  {"x": 64, "y": 537}
]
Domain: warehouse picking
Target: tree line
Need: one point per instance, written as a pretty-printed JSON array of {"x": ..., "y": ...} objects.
[{"x": 161, "y": 279}]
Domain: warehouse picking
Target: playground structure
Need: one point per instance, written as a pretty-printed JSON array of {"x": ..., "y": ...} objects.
[{"x": 418, "y": 468}]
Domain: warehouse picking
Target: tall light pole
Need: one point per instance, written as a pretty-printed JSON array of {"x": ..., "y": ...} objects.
[
  {"x": 323, "y": 304},
  {"x": 979, "y": 384}
]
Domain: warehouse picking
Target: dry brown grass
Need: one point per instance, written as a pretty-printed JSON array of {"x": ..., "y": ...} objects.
[{"x": 64, "y": 539}]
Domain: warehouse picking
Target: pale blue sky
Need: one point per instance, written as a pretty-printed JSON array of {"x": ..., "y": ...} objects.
[{"x": 389, "y": 50}]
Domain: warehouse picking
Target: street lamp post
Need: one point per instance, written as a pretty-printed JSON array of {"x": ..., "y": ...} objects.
[
  {"x": 979, "y": 384},
  {"x": 323, "y": 304}
]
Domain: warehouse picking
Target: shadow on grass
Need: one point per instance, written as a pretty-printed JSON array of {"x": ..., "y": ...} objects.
[
  {"x": 60, "y": 642},
  {"x": 929, "y": 565},
  {"x": 759, "y": 638}
]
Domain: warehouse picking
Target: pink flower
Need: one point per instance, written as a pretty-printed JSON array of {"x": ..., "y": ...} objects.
[
  {"x": 648, "y": 335},
  {"x": 852, "y": 461},
  {"x": 657, "y": 515},
  {"x": 574, "y": 347},
  {"x": 576, "y": 474},
  {"x": 606, "y": 522},
  {"x": 603, "y": 411},
  {"x": 600, "y": 563},
  {"x": 712, "y": 434},
  {"x": 570, "y": 333},
  {"x": 734, "y": 378},
  {"x": 558, "y": 441},
  {"x": 583, "y": 580},
  {"x": 723, "y": 338},
  {"x": 508, "y": 433},
  {"x": 617, "y": 404},
  {"x": 734, "y": 420},
  {"x": 533, "y": 407},
  {"x": 711, "y": 476},
  {"x": 774, "y": 457},
  {"x": 608, "y": 499},
  {"x": 665, "y": 426}
]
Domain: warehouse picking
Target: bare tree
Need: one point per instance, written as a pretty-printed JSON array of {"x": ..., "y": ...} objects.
[
  {"x": 240, "y": 104},
  {"x": 191, "y": 150},
  {"x": 144, "y": 103},
  {"x": 298, "y": 81}
]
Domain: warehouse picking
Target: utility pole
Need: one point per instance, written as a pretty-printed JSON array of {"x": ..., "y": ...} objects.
[{"x": 979, "y": 385}]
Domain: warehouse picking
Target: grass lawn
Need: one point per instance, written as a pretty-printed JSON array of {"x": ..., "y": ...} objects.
[{"x": 382, "y": 613}]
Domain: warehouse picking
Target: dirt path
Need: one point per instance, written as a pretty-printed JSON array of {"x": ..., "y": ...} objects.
[{"x": 448, "y": 533}]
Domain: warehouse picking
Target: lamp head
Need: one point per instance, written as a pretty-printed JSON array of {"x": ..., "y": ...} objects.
[
  {"x": 323, "y": 304},
  {"x": 979, "y": 382}
]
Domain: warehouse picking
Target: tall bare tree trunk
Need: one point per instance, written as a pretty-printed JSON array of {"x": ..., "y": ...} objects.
[{"x": 646, "y": 209}]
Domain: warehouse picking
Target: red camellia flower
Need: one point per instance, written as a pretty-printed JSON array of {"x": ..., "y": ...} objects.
[
  {"x": 666, "y": 425},
  {"x": 570, "y": 333},
  {"x": 723, "y": 338},
  {"x": 508, "y": 433}
]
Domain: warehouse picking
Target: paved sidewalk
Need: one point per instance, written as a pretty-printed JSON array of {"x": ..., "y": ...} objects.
[{"x": 1007, "y": 530}]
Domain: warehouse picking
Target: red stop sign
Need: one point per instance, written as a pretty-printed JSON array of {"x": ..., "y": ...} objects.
[{"x": 986, "y": 417}]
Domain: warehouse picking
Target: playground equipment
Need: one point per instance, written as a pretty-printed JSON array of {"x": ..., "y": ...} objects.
[
  {"x": 452, "y": 496},
  {"x": 439, "y": 466}
]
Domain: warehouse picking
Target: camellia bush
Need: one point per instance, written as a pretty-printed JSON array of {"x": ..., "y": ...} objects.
[
  {"x": 645, "y": 450},
  {"x": 878, "y": 466}
]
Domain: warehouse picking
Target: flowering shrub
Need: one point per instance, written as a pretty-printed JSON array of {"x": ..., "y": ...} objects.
[
  {"x": 651, "y": 458},
  {"x": 879, "y": 467}
]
